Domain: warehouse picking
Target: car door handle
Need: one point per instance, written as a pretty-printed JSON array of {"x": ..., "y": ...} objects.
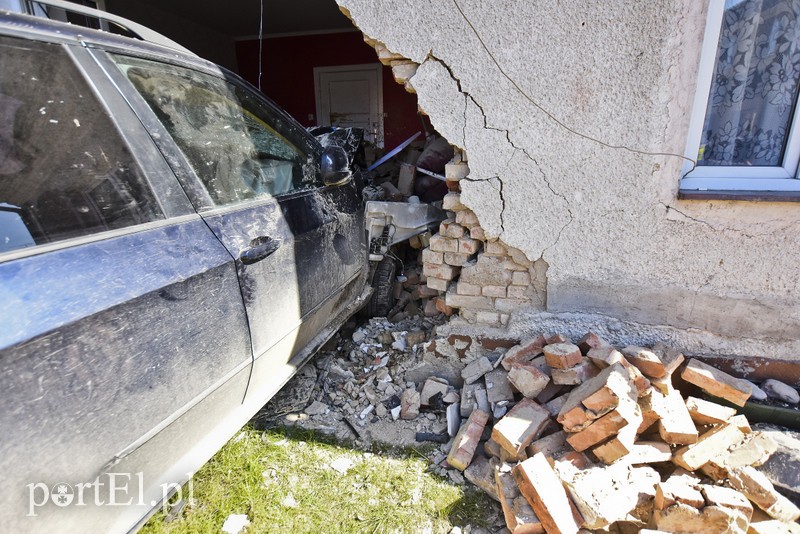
[{"x": 260, "y": 248}]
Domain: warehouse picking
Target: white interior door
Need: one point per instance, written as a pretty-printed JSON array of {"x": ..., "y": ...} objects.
[{"x": 351, "y": 96}]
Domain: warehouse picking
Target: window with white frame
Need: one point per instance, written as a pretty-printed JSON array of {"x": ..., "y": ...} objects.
[{"x": 745, "y": 128}]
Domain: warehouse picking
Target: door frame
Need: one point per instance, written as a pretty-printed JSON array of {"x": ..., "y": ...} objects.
[{"x": 363, "y": 67}]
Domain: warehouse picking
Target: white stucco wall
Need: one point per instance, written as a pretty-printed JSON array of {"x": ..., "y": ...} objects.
[{"x": 574, "y": 116}]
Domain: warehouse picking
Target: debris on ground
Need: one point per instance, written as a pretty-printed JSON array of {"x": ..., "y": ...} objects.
[
  {"x": 566, "y": 436},
  {"x": 235, "y": 523}
]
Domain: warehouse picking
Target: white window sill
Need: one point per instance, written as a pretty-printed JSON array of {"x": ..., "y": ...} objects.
[{"x": 750, "y": 196}]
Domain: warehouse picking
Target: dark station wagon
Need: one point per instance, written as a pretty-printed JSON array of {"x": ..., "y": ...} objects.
[{"x": 173, "y": 246}]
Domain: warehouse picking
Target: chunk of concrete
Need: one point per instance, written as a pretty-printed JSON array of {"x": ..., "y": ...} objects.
[
  {"x": 497, "y": 386},
  {"x": 481, "y": 473},
  {"x": 476, "y": 369},
  {"x": 433, "y": 386},
  {"x": 779, "y": 391},
  {"x": 783, "y": 466},
  {"x": 409, "y": 404}
]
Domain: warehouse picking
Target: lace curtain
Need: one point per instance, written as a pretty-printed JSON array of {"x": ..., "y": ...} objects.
[{"x": 755, "y": 84}]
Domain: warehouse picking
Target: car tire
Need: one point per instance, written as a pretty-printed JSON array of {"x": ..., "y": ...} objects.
[{"x": 382, "y": 300}]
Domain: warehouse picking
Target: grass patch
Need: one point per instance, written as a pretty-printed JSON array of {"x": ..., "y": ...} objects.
[{"x": 283, "y": 480}]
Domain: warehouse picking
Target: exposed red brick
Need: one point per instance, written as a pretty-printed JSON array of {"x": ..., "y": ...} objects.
[
  {"x": 562, "y": 355},
  {"x": 544, "y": 492},
  {"x": 467, "y": 439}
]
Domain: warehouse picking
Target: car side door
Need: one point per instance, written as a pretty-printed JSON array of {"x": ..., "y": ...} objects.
[
  {"x": 120, "y": 309},
  {"x": 298, "y": 244}
]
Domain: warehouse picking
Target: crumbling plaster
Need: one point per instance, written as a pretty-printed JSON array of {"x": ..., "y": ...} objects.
[{"x": 574, "y": 117}]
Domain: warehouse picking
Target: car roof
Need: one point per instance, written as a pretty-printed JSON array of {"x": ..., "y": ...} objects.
[
  {"x": 39, "y": 28},
  {"x": 42, "y": 29}
]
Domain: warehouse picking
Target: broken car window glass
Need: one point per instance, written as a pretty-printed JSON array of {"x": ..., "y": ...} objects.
[
  {"x": 64, "y": 170},
  {"x": 233, "y": 144}
]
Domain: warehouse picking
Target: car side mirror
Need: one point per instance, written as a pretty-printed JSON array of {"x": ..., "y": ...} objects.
[{"x": 334, "y": 166}]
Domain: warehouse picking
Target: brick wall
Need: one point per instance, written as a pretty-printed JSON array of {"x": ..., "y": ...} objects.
[{"x": 483, "y": 278}]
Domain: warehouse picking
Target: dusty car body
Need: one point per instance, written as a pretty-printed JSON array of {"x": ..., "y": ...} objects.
[{"x": 173, "y": 247}]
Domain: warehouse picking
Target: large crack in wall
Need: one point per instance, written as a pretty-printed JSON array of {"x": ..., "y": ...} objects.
[{"x": 574, "y": 128}]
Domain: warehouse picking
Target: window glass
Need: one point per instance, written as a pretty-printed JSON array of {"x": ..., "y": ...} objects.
[
  {"x": 233, "y": 142},
  {"x": 755, "y": 84},
  {"x": 64, "y": 170}
]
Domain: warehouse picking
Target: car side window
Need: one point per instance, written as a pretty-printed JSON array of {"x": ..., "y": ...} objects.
[
  {"x": 65, "y": 171},
  {"x": 234, "y": 144}
]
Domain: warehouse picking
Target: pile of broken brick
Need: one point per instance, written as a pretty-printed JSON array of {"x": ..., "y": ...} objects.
[{"x": 600, "y": 439}]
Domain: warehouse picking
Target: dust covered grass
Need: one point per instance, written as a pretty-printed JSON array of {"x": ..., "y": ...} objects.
[{"x": 287, "y": 480}]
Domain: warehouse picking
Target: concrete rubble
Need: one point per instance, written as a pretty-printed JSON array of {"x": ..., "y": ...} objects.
[
  {"x": 639, "y": 443},
  {"x": 567, "y": 434}
]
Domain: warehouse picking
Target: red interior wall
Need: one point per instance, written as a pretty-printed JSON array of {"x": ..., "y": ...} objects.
[{"x": 288, "y": 77}]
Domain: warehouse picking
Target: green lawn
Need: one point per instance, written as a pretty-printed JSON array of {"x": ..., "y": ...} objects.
[{"x": 283, "y": 481}]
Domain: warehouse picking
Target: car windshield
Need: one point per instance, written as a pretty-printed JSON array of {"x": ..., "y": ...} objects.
[{"x": 236, "y": 147}]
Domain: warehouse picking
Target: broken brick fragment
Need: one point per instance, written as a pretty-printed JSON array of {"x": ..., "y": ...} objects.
[
  {"x": 726, "y": 498},
  {"x": 591, "y": 341},
  {"x": 577, "y": 374},
  {"x": 433, "y": 386},
  {"x": 754, "y": 450},
  {"x": 595, "y": 397},
  {"x": 645, "y": 360},
  {"x": 548, "y": 445},
  {"x": 520, "y": 426},
  {"x": 518, "y": 513},
  {"x": 562, "y": 355},
  {"x": 527, "y": 350},
  {"x": 757, "y": 487},
  {"x": 675, "y": 425},
  {"x": 625, "y": 413},
  {"x": 619, "y": 446},
  {"x": 466, "y": 441},
  {"x": 481, "y": 473},
  {"x": 712, "y": 444},
  {"x": 498, "y": 386},
  {"x": 716, "y": 382},
  {"x": 543, "y": 490},
  {"x": 442, "y": 307},
  {"x": 705, "y": 412},
  {"x": 440, "y": 243},
  {"x": 553, "y": 339},
  {"x": 528, "y": 379},
  {"x": 604, "y": 356},
  {"x": 450, "y": 228}
]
